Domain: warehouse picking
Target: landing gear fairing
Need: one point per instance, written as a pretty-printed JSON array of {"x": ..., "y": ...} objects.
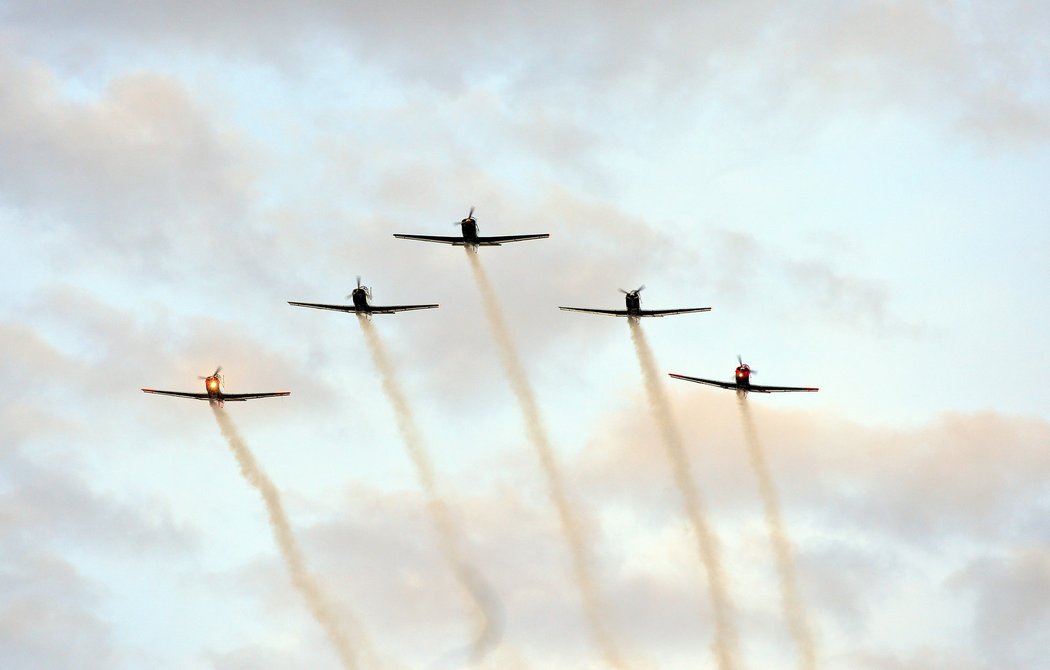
[
  {"x": 634, "y": 307},
  {"x": 470, "y": 237},
  {"x": 213, "y": 386}
]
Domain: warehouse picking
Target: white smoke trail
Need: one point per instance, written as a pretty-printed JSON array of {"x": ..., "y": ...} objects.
[
  {"x": 483, "y": 605},
  {"x": 282, "y": 531},
  {"x": 794, "y": 610},
  {"x": 725, "y": 643},
  {"x": 589, "y": 593}
]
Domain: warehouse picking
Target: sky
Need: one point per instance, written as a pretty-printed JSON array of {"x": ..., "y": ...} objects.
[{"x": 857, "y": 189}]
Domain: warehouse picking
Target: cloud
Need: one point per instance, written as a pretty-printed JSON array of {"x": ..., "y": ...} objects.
[
  {"x": 1012, "y": 593},
  {"x": 978, "y": 66},
  {"x": 47, "y": 617},
  {"x": 745, "y": 269},
  {"x": 122, "y": 167},
  {"x": 867, "y": 510}
]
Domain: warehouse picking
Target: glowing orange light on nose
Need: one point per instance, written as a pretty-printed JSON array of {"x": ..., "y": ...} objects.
[{"x": 213, "y": 385}]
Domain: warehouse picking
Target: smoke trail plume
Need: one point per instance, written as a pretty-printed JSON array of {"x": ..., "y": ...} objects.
[
  {"x": 538, "y": 436},
  {"x": 282, "y": 532},
  {"x": 725, "y": 646},
  {"x": 794, "y": 611},
  {"x": 484, "y": 607}
]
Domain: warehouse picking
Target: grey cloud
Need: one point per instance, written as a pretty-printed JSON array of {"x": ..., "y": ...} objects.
[
  {"x": 923, "y": 659},
  {"x": 261, "y": 657},
  {"x": 982, "y": 66},
  {"x": 127, "y": 180},
  {"x": 814, "y": 287},
  {"x": 964, "y": 476},
  {"x": 874, "y": 506},
  {"x": 47, "y": 618},
  {"x": 45, "y": 500},
  {"x": 845, "y": 299},
  {"x": 1012, "y": 611}
]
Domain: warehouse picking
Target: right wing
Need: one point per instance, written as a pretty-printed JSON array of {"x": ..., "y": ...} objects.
[
  {"x": 380, "y": 309},
  {"x": 456, "y": 241},
  {"x": 497, "y": 240},
  {"x": 668, "y": 312},
  {"x": 179, "y": 394},
  {"x": 236, "y": 397},
  {"x": 709, "y": 382},
  {"x": 337, "y": 308},
  {"x": 606, "y": 312},
  {"x": 780, "y": 389}
]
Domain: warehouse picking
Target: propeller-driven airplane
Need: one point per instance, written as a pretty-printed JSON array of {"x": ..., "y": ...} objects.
[
  {"x": 470, "y": 237},
  {"x": 634, "y": 307},
  {"x": 742, "y": 384},
  {"x": 360, "y": 297},
  {"x": 213, "y": 386}
]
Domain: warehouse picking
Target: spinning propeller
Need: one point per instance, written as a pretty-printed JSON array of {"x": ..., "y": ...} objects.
[
  {"x": 214, "y": 374},
  {"x": 634, "y": 292},
  {"x": 743, "y": 364},
  {"x": 367, "y": 290},
  {"x": 470, "y": 217}
]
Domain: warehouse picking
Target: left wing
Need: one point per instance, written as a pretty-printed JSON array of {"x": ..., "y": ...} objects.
[
  {"x": 337, "y": 308},
  {"x": 606, "y": 312},
  {"x": 378, "y": 309},
  {"x": 668, "y": 312},
  {"x": 179, "y": 394},
  {"x": 495, "y": 241},
  {"x": 440, "y": 239},
  {"x": 779, "y": 389},
  {"x": 236, "y": 397},
  {"x": 709, "y": 382}
]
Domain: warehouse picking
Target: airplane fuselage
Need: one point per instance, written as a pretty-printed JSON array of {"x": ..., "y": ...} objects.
[
  {"x": 743, "y": 377},
  {"x": 360, "y": 298},
  {"x": 470, "y": 231},
  {"x": 212, "y": 388},
  {"x": 634, "y": 303}
]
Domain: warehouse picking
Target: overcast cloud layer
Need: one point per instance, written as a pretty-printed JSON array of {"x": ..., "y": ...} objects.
[{"x": 857, "y": 189}]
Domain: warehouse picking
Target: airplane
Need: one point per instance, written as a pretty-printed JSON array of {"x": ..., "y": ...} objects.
[
  {"x": 742, "y": 384},
  {"x": 470, "y": 237},
  {"x": 360, "y": 297},
  {"x": 213, "y": 385},
  {"x": 634, "y": 307}
]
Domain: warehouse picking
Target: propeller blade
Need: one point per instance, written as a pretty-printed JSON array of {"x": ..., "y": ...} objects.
[
  {"x": 358, "y": 281},
  {"x": 471, "y": 215},
  {"x": 217, "y": 370},
  {"x": 640, "y": 289},
  {"x": 739, "y": 359},
  {"x": 625, "y": 292}
]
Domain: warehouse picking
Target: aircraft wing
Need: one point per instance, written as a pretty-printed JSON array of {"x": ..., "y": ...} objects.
[
  {"x": 179, "y": 394},
  {"x": 337, "y": 308},
  {"x": 393, "y": 309},
  {"x": 456, "y": 240},
  {"x": 779, "y": 389},
  {"x": 668, "y": 312},
  {"x": 753, "y": 388},
  {"x": 495, "y": 241},
  {"x": 606, "y": 312},
  {"x": 236, "y": 397},
  {"x": 709, "y": 382}
]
